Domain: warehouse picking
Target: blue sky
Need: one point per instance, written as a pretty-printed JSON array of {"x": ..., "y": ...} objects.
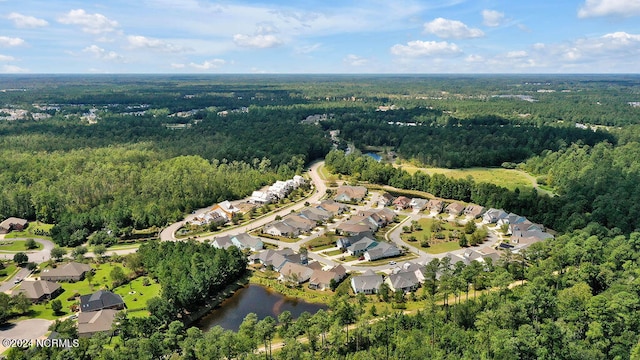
[{"x": 313, "y": 36}]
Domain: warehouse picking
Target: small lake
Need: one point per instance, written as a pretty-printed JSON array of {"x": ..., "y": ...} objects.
[
  {"x": 254, "y": 299},
  {"x": 375, "y": 156}
]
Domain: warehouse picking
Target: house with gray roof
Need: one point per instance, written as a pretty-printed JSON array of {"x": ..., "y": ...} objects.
[
  {"x": 90, "y": 323},
  {"x": 367, "y": 283},
  {"x": 280, "y": 228},
  {"x": 381, "y": 251},
  {"x": 333, "y": 207},
  {"x": 315, "y": 214},
  {"x": 71, "y": 271},
  {"x": 241, "y": 241},
  {"x": 39, "y": 290},
  {"x": 360, "y": 247},
  {"x": 405, "y": 281},
  {"x": 492, "y": 216},
  {"x": 100, "y": 300},
  {"x": 418, "y": 204},
  {"x": 345, "y": 242}
]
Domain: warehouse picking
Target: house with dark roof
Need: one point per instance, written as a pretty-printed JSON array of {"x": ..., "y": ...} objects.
[
  {"x": 386, "y": 199},
  {"x": 39, "y": 290},
  {"x": 360, "y": 247},
  {"x": 381, "y": 251},
  {"x": 367, "y": 283},
  {"x": 90, "y": 323},
  {"x": 101, "y": 300},
  {"x": 12, "y": 223},
  {"x": 71, "y": 271}
]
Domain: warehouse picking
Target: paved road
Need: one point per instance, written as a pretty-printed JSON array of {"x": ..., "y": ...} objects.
[
  {"x": 21, "y": 274},
  {"x": 26, "y": 329},
  {"x": 168, "y": 233},
  {"x": 37, "y": 256}
]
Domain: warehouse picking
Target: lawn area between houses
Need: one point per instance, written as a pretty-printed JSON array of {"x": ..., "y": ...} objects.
[
  {"x": 101, "y": 280},
  {"x": 436, "y": 246},
  {"x": 270, "y": 279},
  {"x": 9, "y": 269},
  {"x": 17, "y": 246}
]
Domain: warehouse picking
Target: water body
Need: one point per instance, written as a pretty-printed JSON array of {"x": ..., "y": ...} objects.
[
  {"x": 254, "y": 299},
  {"x": 375, "y": 156}
]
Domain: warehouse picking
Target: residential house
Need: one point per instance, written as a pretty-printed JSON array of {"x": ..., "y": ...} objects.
[
  {"x": 279, "y": 228},
  {"x": 404, "y": 281},
  {"x": 492, "y": 216},
  {"x": 321, "y": 280},
  {"x": 511, "y": 219},
  {"x": 386, "y": 199},
  {"x": 344, "y": 242},
  {"x": 71, "y": 271},
  {"x": 517, "y": 228},
  {"x": 489, "y": 252},
  {"x": 435, "y": 205},
  {"x": 217, "y": 217},
  {"x": 12, "y": 223},
  {"x": 260, "y": 197},
  {"x": 418, "y": 204},
  {"x": 101, "y": 300},
  {"x": 90, "y": 323},
  {"x": 292, "y": 272},
  {"x": 408, "y": 266},
  {"x": 39, "y": 290},
  {"x": 455, "y": 209},
  {"x": 401, "y": 202},
  {"x": 382, "y": 250},
  {"x": 333, "y": 207},
  {"x": 275, "y": 258},
  {"x": 474, "y": 211},
  {"x": 368, "y": 283},
  {"x": 302, "y": 224},
  {"x": 360, "y": 247},
  {"x": 315, "y": 214},
  {"x": 351, "y": 229},
  {"x": 346, "y": 193},
  {"x": 241, "y": 241}
]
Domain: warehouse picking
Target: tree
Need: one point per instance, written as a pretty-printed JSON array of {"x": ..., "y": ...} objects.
[
  {"x": 20, "y": 258},
  {"x": 79, "y": 251},
  {"x": 99, "y": 250},
  {"x": 58, "y": 253},
  {"x": 21, "y": 303},
  {"x": 56, "y": 306},
  {"x": 30, "y": 244},
  {"x": 118, "y": 276}
]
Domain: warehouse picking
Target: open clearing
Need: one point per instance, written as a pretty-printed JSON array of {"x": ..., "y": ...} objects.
[{"x": 509, "y": 178}]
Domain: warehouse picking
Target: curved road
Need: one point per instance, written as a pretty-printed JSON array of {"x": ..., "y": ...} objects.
[{"x": 36, "y": 256}]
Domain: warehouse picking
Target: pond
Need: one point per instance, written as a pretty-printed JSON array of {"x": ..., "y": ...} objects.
[
  {"x": 254, "y": 299},
  {"x": 375, "y": 156}
]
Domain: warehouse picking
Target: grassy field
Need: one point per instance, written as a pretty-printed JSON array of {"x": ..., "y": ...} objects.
[
  {"x": 332, "y": 252},
  {"x": 326, "y": 175},
  {"x": 509, "y": 178},
  {"x": 322, "y": 242},
  {"x": 29, "y": 232},
  {"x": 9, "y": 269},
  {"x": 101, "y": 280},
  {"x": 436, "y": 246},
  {"x": 17, "y": 246}
]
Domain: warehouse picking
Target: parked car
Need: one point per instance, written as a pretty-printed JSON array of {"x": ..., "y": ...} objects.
[
  {"x": 17, "y": 280},
  {"x": 392, "y": 262}
]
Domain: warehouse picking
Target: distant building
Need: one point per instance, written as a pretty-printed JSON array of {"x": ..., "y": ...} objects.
[{"x": 11, "y": 224}]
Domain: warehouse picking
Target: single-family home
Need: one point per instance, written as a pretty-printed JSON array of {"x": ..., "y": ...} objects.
[
  {"x": 241, "y": 241},
  {"x": 511, "y": 219},
  {"x": 360, "y": 247},
  {"x": 275, "y": 258},
  {"x": 492, "y": 216},
  {"x": 344, "y": 242},
  {"x": 90, "y": 323},
  {"x": 321, "y": 280},
  {"x": 333, "y": 207},
  {"x": 351, "y": 229},
  {"x": 381, "y": 251},
  {"x": 315, "y": 214},
  {"x": 39, "y": 290},
  {"x": 401, "y": 202},
  {"x": 12, "y": 223},
  {"x": 298, "y": 181},
  {"x": 71, "y": 271},
  {"x": 367, "y": 283},
  {"x": 418, "y": 204},
  {"x": 101, "y": 300},
  {"x": 279, "y": 228},
  {"x": 386, "y": 199},
  {"x": 474, "y": 211},
  {"x": 302, "y": 224},
  {"x": 404, "y": 281},
  {"x": 347, "y": 193},
  {"x": 455, "y": 209},
  {"x": 292, "y": 272},
  {"x": 435, "y": 205}
]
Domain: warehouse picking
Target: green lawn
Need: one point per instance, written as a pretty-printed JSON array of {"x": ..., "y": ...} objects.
[
  {"x": 406, "y": 257},
  {"x": 332, "y": 252},
  {"x": 436, "y": 245},
  {"x": 322, "y": 242},
  {"x": 509, "y": 178},
  {"x": 30, "y": 231},
  {"x": 135, "y": 295},
  {"x": 439, "y": 248},
  {"x": 101, "y": 280},
  {"x": 326, "y": 175},
  {"x": 17, "y": 246},
  {"x": 9, "y": 269}
]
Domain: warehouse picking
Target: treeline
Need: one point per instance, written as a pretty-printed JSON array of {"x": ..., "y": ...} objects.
[
  {"x": 574, "y": 209},
  {"x": 579, "y": 301},
  {"x": 445, "y": 141},
  {"x": 119, "y": 188},
  {"x": 189, "y": 273}
]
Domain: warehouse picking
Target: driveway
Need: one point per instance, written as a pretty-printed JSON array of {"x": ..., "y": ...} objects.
[{"x": 26, "y": 329}]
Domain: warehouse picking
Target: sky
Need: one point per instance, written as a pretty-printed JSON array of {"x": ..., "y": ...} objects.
[{"x": 319, "y": 36}]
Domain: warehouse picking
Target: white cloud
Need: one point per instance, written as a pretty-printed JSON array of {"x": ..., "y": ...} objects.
[
  {"x": 517, "y": 54},
  {"x": 593, "y": 8},
  {"x": 446, "y": 29},
  {"x": 355, "y": 60},
  {"x": 474, "y": 58},
  {"x": 6, "y": 58},
  {"x": 24, "y": 21},
  {"x": 12, "y": 69},
  {"x": 260, "y": 41},
  {"x": 102, "y": 54},
  {"x": 138, "y": 42},
  {"x": 492, "y": 18},
  {"x": 9, "y": 41},
  {"x": 208, "y": 65},
  {"x": 90, "y": 23},
  {"x": 420, "y": 48}
]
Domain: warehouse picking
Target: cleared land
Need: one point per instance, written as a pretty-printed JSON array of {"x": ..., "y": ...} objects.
[
  {"x": 449, "y": 242},
  {"x": 508, "y": 178}
]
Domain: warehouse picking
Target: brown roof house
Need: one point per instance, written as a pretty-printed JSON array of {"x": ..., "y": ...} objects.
[
  {"x": 12, "y": 223},
  {"x": 455, "y": 209},
  {"x": 39, "y": 290},
  {"x": 321, "y": 280},
  {"x": 93, "y": 322},
  {"x": 348, "y": 193},
  {"x": 71, "y": 271},
  {"x": 401, "y": 202}
]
